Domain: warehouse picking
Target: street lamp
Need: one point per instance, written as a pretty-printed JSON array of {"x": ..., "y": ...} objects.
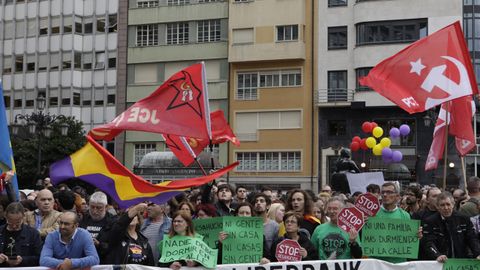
[{"x": 40, "y": 125}]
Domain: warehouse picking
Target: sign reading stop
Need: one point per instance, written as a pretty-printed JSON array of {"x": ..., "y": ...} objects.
[
  {"x": 288, "y": 251},
  {"x": 368, "y": 204},
  {"x": 350, "y": 218}
]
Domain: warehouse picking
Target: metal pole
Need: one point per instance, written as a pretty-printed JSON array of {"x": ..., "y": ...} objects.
[
  {"x": 447, "y": 121},
  {"x": 39, "y": 157},
  {"x": 464, "y": 172}
]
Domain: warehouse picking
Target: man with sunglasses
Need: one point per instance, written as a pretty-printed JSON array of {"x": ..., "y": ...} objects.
[{"x": 20, "y": 244}]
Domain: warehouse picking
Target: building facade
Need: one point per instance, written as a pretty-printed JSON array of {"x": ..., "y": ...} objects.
[
  {"x": 271, "y": 93},
  {"x": 165, "y": 36},
  {"x": 353, "y": 36},
  {"x": 63, "y": 50}
]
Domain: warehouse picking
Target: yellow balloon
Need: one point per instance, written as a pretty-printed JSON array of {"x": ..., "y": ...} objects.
[
  {"x": 377, "y": 150},
  {"x": 370, "y": 142},
  {"x": 377, "y": 132},
  {"x": 386, "y": 142}
]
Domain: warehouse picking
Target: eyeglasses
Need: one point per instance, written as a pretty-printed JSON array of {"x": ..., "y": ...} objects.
[{"x": 388, "y": 192}]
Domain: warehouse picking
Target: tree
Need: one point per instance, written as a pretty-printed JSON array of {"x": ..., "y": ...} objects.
[{"x": 56, "y": 147}]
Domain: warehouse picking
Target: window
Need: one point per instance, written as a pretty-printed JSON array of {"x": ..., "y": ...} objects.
[
  {"x": 177, "y": 33},
  {"x": 99, "y": 60},
  {"x": 112, "y": 62},
  {"x": 269, "y": 161},
  {"x": 337, "y": 37},
  {"x": 147, "y": 35},
  {"x": 337, "y": 85},
  {"x": 19, "y": 63},
  {"x": 247, "y": 84},
  {"x": 112, "y": 23},
  {"x": 359, "y": 73},
  {"x": 29, "y": 103},
  {"x": 391, "y": 31},
  {"x": 337, "y": 3},
  {"x": 65, "y": 101},
  {"x": 17, "y": 103},
  {"x": 147, "y": 3},
  {"x": 53, "y": 101},
  {"x": 88, "y": 26},
  {"x": 66, "y": 60},
  {"x": 7, "y": 65},
  {"x": 76, "y": 98},
  {"x": 208, "y": 31},
  {"x": 287, "y": 32},
  {"x": 141, "y": 149},
  {"x": 77, "y": 60},
  {"x": 101, "y": 25},
  {"x": 43, "y": 30},
  {"x": 177, "y": 2},
  {"x": 208, "y": 1},
  {"x": 111, "y": 99},
  {"x": 243, "y": 36},
  {"x": 6, "y": 101},
  {"x": 78, "y": 26},
  {"x": 337, "y": 128}
]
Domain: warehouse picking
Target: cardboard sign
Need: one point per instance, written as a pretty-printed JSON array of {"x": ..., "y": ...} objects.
[
  {"x": 288, "y": 251},
  {"x": 384, "y": 237},
  {"x": 188, "y": 248},
  {"x": 454, "y": 264},
  {"x": 350, "y": 218},
  {"x": 368, "y": 204}
]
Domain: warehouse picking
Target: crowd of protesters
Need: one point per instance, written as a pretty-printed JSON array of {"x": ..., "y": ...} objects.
[{"x": 64, "y": 227}]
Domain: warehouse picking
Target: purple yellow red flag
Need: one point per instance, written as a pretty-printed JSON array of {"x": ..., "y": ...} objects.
[
  {"x": 179, "y": 107},
  {"x": 96, "y": 166}
]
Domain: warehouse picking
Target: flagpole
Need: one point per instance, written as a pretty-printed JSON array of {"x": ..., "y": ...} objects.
[
  {"x": 464, "y": 172},
  {"x": 201, "y": 167},
  {"x": 447, "y": 121}
]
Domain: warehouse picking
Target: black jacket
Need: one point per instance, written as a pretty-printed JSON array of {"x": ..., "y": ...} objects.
[
  {"x": 304, "y": 242},
  {"x": 28, "y": 245},
  {"x": 438, "y": 241},
  {"x": 105, "y": 225},
  {"x": 120, "y": 240}
]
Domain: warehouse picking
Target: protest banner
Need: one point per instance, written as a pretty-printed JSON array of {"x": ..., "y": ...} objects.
[
  {"x": 460, "y": 264},
  {"x": 288, "y": 251},
  {"x": 350, "y": 218},
  {"x": 244, "y": 243},
  {"x": 360, "y": 181},
  {"x": 188, "y": 248},
  {"x": 209, "y": 228},
  {"x": 391, "y": 238},
  {"x": 368, "y": 204}
]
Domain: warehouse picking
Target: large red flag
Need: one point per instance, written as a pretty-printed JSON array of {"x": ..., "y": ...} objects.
[
  {"x": 179, "y": 106},
  {"x": 187, "y": 149},
  {"x": 427, "y": 73},
  {"x": 459, "y": 121}
]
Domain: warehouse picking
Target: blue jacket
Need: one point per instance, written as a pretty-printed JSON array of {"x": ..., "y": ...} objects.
[
  {"x": 164, "y": 228},
  {"x": 80, "y": 250},
  {"x": 28, "y": 245}
]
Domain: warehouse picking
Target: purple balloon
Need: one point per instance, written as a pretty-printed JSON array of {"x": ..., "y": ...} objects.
[
  {"x": 397, "y": 156},
  {"x": 394, "y": 132},
  {"x": 387, "y": 153},
  {"x": 404, "y": 129},
  {"x": 386, "y": 160}
]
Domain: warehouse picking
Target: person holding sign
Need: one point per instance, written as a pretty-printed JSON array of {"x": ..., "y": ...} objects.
[
  {"x": 182, "y": 225},
  {"x": 449, "y": 234},
  {"x": 307, "y": 251},
  {"x": 331, "y": 241},
  {"x": 389, "y": 209}
]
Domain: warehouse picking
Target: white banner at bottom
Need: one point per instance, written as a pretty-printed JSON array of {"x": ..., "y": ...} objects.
[{"x": 363, "y": 264}]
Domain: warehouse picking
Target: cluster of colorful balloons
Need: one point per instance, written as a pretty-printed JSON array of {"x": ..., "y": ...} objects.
[{"x": 381, "y": 147}]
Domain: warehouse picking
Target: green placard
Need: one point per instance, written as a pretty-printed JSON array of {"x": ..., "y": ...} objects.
[
  {"x": 209, "y": 228},
  {"x": 391, "y": 238},
  {"x": 461, "y": 264},
  {"x": 244, "y": 243},
  {"x": 188, "y": 248}
]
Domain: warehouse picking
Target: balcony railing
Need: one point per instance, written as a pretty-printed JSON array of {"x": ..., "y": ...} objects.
[
  {"x": 334, "y": 95},
  {"x": 247, "y": 137}
]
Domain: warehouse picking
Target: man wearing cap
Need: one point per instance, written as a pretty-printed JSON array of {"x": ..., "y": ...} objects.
[{"x": 225, "y": 205}]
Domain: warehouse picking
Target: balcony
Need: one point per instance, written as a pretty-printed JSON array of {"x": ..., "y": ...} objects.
[
  {"x": 247, "y": 137},
  {"x": 334, "y": 97}
]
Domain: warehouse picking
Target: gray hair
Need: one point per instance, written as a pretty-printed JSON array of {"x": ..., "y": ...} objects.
[
  {"x": 336, "y": 199},
  {"x": 444, "y": 196},
  {"x": 98, "y": 197}
]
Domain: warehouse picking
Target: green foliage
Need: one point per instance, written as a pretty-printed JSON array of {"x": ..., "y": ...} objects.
[{"x": 25, "y": 149}]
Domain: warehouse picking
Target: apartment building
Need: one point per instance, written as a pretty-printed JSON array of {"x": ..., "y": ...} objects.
[
  {"x": 163, "y": 37},
  {"x": 271, "y": 93},
  {"x": 63, "y": 50},
  {"x": 353, "y": 36}
]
